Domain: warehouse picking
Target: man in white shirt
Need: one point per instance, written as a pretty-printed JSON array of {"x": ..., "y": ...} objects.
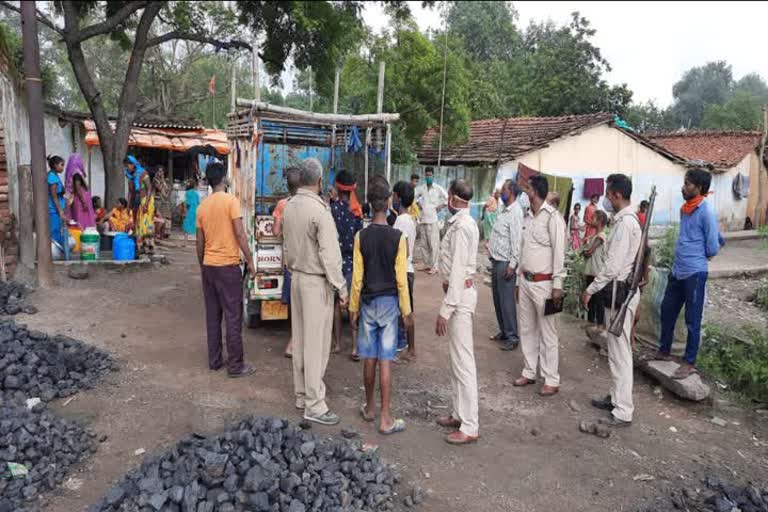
[
  {"x": 504, "y": 251},
  {"x": 402, "y": 200},
  {"x": 431, "y": 198}
]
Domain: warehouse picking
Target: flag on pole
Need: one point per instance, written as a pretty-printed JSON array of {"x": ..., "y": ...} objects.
[{"x": 212, "y": 86}]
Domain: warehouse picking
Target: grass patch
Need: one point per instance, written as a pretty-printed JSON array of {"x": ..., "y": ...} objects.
[
  {"x": 741, "y": 363},
  {"x": 761, "y": 296},
  {"x": 664, "y": 249}
]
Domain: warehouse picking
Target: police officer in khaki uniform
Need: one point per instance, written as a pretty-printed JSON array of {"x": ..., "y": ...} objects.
[
  {"x": 458, "y": 263},
  {"x": 622, "y": 249},
  {"x": 312, "y": 254},
  {"x": 540, "y": 277}
]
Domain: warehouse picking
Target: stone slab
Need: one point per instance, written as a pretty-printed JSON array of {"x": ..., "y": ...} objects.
[{"x": 691, "y": 388}]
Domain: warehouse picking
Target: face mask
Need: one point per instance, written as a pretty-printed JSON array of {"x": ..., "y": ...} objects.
[
  {"x": 504, "y": 198},
  {"x": 524, "y": 201},
  {"x": 607, "y": 205},
  {"x": 429, "y": 180},
  {"x": 451, "y": 208}
]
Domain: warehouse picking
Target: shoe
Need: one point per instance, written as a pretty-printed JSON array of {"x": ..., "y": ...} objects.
[
  {"x": 460, "y": 438},
  {"x": 247, "y": 370},
  {"x": 508, "y": 347},
  {"x": 604, "y": 404},
  {"x": 614, "y": 422},
  {"x": 498, "y": 337},
  {"x": 662, "y": 356},
  {"x": 448, "y": 422},
  {"x": 548, "y": 390},
  {"x": 328, "y": 418},
  {"x": 523, "y": 381}
]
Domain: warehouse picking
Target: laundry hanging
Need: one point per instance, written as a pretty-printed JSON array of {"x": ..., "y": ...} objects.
[
  {"x": 593, "y": 186},
  {"x": 740, "y": 186},
  {"x": 524, "y": 173}
]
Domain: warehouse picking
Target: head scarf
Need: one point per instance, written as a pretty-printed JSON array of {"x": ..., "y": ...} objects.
[
  {"x": 75, "y": 167},
  {"x": 354, "y": 204},
  {"x": 136, "y": 176}
]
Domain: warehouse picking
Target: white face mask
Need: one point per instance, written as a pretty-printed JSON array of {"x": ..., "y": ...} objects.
[
  {"x": 607, "y": 205},
  {"x": 523, "y": 201}
]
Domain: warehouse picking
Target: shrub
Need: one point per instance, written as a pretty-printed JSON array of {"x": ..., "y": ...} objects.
[
  {"x": 664, "y": 249},
  {"x": 761, "y": 296},
  {"x": 742, "y": 364}
]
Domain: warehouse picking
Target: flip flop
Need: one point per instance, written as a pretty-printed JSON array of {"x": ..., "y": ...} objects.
[
  {"x": 364, "y": 416},
  {"x": 354, "y": 357},
  {"x": 397, "y": 426},
  {"x": 678, "y": 375}
]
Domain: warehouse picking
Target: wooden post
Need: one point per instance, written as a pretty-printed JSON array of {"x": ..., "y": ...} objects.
[
  {"x": 759, "y": 207},
  {"x": 26, "y": 217},
  {"x": 255, "y": 74},
  {"x": 335, "y": 111},
  {"x": 388, "y": 158},
  {"x": 233, "y": 86},
  {"x": 380, "y": 96},
  {"x": 170, "y": 168},
  {"x": 365, "y": 160}
]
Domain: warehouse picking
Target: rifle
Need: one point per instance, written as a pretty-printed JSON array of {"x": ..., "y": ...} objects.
[{"x": 617, "y": 322}]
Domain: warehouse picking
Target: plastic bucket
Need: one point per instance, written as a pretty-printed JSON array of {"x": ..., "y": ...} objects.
[
  {"x": 89, "y": 246},
  {"x": 123, "y": 248},
  {"x": 75, "y": 232}
]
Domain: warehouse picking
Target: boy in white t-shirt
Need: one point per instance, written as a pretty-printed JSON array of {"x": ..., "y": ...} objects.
[{"x": 402, "y": 199}]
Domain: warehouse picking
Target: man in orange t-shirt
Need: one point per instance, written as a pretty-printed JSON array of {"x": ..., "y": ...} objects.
[{"x": 220, "y": 240}]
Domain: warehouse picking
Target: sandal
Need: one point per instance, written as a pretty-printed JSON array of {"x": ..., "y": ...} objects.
[
  {"x": 397, "y": 426},
  {"x": 364, "y": 415},
  {"x": 354, "y": 357},
  {"x": 684, "y": 371}
]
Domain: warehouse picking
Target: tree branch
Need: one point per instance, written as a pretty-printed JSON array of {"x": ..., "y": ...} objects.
[
  {"x": 176, "y": 34},
  {"x": 41, "y": 17},
  {"x": 110, "y": 23}
]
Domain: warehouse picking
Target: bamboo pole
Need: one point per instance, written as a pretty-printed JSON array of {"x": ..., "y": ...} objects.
[{"x": 261, "y": 106}]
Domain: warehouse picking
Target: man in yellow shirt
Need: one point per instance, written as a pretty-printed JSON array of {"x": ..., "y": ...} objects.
[
  {"x": 379, "y": 280},
  {"x": 220, "y": 240}
]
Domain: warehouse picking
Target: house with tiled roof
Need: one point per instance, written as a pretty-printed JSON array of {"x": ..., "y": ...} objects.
[{"x": 577, "y": 153}]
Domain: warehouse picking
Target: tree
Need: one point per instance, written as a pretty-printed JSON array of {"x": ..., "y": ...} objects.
[
  {"x": 699, "y": 88},
  {"x": 487, "y": 29},
  {"x": 648, "y": 116},
  {"x": 309, "y": 31},
  {"x": 740, "y": 112}
]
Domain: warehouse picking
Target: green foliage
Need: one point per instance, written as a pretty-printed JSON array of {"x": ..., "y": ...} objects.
[
  {"x": 574, "y": 283},
  {"x": 649, "y": 116},
  {"x": 740, "y": 112},
  {"x": 761, "y": 295},
  {"x": 10, "y": 40},
  {"x": 664, "y": 250},
  {"x": 699, "y": 87},
  {"x": 742, "y": 364},
  {"x": 487, "y": 29},
  {"x": 763, "y": 232}
]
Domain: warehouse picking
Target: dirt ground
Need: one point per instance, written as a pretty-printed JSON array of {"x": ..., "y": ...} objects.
[
  {"x": 531, "y": 456},
  {"x": 730, "y": 303}
]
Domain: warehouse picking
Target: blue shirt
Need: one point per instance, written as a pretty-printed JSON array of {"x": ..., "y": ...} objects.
[
  {"x": 347, "y": 225},
  {"x": 53, "y": 179},
  {"x": 699, "y": 240}
]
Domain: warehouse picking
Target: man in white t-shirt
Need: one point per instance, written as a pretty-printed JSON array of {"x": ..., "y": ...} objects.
[
  {"x": 402, "y": 199},
  {"x": 431, "y": 198}
]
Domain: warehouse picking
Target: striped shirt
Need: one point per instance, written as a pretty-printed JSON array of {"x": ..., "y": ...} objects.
[{"x": 506, "y": 236}]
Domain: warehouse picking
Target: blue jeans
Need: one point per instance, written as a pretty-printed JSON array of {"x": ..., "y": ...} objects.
[
  {"x": 379, "y": 322},
  {"x": 679, "y": 292}
]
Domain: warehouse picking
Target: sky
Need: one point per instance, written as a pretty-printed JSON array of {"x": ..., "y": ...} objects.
[{"x": 648, "y": 44}]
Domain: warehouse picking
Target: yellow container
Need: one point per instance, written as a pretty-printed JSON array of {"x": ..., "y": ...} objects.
[{"x": 75, "y": 232}]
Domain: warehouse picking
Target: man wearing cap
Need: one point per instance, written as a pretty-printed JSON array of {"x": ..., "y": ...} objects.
[{"x": 312, "y": 254}]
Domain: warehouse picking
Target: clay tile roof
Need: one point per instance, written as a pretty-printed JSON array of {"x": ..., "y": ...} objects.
[
  {"x": 493, "y": 140},
  {"x": 722, "y": 149}
]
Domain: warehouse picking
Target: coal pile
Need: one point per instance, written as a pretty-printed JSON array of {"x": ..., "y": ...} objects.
[
  {"x": 33, "y": 364},
  {"x": 41, "y": 445},
  {"x": 13, "y": 298},
  {"x": 717, "y": 496},
  {"x": 261, "y": 464}
]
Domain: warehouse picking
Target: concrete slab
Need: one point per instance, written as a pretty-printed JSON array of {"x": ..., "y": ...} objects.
[
  {"x": 740, "y": 258},
  {"x": 691, "y": 388}
]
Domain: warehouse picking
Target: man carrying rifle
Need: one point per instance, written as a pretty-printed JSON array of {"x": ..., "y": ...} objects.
[{"x": 622, "y": 251}]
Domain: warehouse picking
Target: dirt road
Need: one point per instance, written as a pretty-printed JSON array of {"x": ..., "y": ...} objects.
[{"x": 531, "y": 456}]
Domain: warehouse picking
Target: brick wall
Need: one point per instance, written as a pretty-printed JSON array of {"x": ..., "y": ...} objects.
[{"x": 8, "y": 237}]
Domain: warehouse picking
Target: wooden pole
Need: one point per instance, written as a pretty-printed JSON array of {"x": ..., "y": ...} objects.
[
  {"x": 759, "y": 207},
  {"x": 388, "y": 157},
  {"x": 233, "y": 86},
  {"x": 336, "y": 79},
  {"x": 33, "y": 83},
  {"x": 442, "y": 104},
  {"x": 255, "y": 74},
  {"x": 317, "y": 117},
  {"x": 365, "y": 160},
  {"x": 26, "y": 218},
  {"x": 380, "y": 96}
]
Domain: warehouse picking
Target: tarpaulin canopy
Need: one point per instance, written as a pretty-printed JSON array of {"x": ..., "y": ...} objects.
[{"x": 166, "y": 138}]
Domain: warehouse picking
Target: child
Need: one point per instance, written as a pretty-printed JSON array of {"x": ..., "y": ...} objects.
[
  {"x": 101, "y": 215},
  {"x": 379, "y": 285},
  {"x": 121, "y": 218},
  {"x": 594, "y": 252},
  {"x": 403, "y": 196}
]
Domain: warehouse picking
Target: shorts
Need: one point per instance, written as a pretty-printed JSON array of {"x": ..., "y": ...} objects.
[{"x": 379, "y": 323}]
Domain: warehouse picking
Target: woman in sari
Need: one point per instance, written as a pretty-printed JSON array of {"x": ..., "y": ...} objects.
[
  {"x": 576, "y": 227},
  {"x": 191, "y": 202},
  {"x": 56, "y": 203},
  {"x": 142, "y": 199},
  {"x": 488, "y": 216},
  {"x": 81, "y": 207}
]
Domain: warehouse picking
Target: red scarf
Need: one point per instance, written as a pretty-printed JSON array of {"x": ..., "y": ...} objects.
[
  {"x": 691, "y": 204},
  {"x": 354, "y": 204}
]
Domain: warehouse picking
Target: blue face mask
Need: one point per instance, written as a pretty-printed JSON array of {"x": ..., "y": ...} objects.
[{"x": 504, "y": 198}]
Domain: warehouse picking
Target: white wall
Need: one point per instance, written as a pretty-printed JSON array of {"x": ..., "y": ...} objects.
[{"x": 604, "y": 150}]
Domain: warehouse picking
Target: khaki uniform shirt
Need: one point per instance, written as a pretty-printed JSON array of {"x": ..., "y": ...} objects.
[
  {"x": 310, "y": 240},
  {"x": 458, "y": 258},
  {"x": 543, "y": 246},
  {"x": 621, "y": 250}
]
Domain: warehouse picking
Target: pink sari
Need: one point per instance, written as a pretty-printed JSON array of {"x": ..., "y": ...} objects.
[
  {"x": 575, "y": 228},
  {"x": 81, "y": 213}
]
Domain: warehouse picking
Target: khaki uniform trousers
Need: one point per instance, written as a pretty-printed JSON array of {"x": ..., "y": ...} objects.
[
  {"x": 538, "y": 333},
  {"x": 429, "y": 238},
  {"x": 463, "y": 369},
  {"x": 620, "y": 363},
  {"x": 311, "y": 323}
]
